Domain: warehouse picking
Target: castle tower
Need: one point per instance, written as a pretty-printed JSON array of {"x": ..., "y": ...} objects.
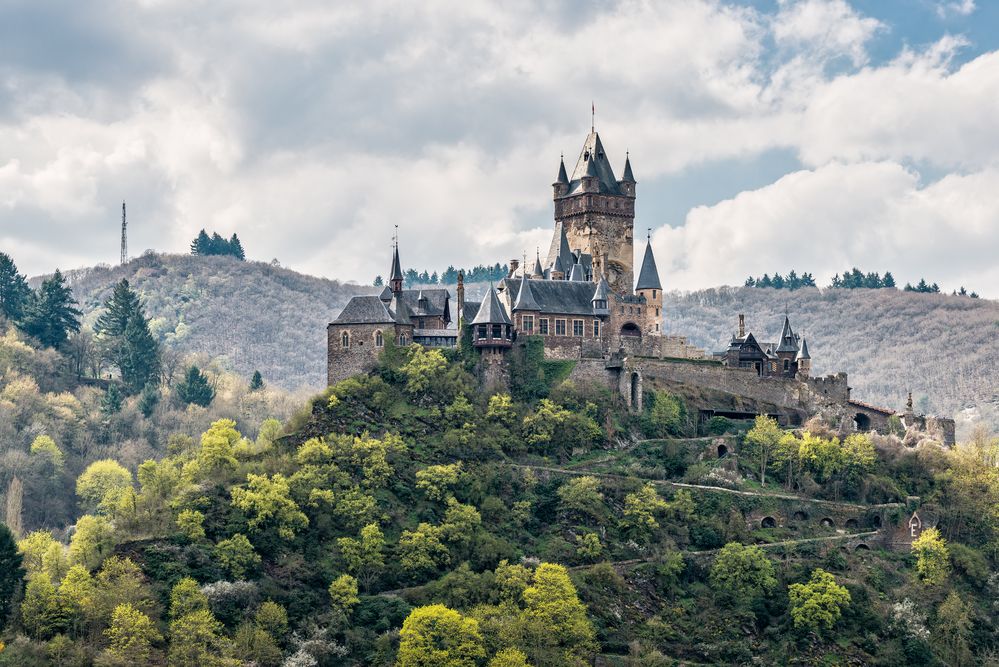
[
  {"x": 651, "y": 288},
  {"x": 395, "y": 279},
  {"x": 804, "y": 360},
  {"x": 597, "y": 213},
  {"x": 787, "y": 349}
]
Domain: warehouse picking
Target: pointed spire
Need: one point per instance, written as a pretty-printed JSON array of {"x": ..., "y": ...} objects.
[
  {"x": 491, "y": 311},
  {"x": 538, "y": 271},
  {"x": 788, "y": 343},
  {"x": 803, "y": 352},
  {"x": 562, "y": 176},
  {"x": 628, "y": 176},
  {"x": 602, "y": 291},
  {"x": 560, "y": 249},
  {"x": 648, "y": 277},
  {"x": 395, "y": 275},
  {"x": 525, "y": 297}
]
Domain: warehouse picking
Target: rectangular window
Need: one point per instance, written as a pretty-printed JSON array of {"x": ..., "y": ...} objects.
[
  {"x": 639, "y": 310},
  {"x": 482, "y": 331},
  {"x": 596, "y": 328},
  {"x": 497, "y": 331},
  {"x": 543, "y": 326},
  {"x": 423, "y": 324},
  {"x": 527, "y": 324},
  {"x": 577, "y": 328},
  {"x": 559, "y": 327}
]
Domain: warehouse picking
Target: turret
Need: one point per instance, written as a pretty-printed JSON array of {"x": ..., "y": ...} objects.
[
  {"x": 651, "y": 288},
  {"x": 787, "y": 349},
  {"x": 561, "y": 184},
  {"x": 395, "y": 280},
  {"x": 525, "y": 307},
  {"x": 627, "y": 182},
  {"x": 804, "y": 359},
  {"x": 538, "y": 273},
  {"x": 492, "y": 328},
  {"x": 600, "y": 296}
]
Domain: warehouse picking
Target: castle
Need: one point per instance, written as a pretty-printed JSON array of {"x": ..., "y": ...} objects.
[{"x": 583, "y": 302}]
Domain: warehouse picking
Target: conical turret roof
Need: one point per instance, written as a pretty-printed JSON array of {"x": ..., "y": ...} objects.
[
  {"x": 525, "y": 297},
  {"x": 593, "y": 162},
  {"x": 648, "y": 277},
  {"x": 602, "y": 291},
  {"x": 788, "y": 342},
  {"x": 538, "y": 271},
  {"x": 803, "y": 352},
  {"x": 628, "y": 176},
  {"x": 396, "y": 273},
  {"x": 491, "y": 311},
  {"x": 562, "y": 177}
]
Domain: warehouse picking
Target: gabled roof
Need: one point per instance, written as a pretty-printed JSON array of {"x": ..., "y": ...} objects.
[
  {"x": 648, "y": 278},
  {"x": 386, "y": 294},
  {"x": 471, "y": 309},
  {"x": 803, "y": 352},
  {"x": 593, "y": 162},
  {"x": 399, "y": 310},
  {"x": 576, "y": 273},
  {"x": 491, "y": 311},
  {"x": 427, "y": 302},
  {"x": 525, "y": 297},
  {"x": 788, "y": 341},
  {"x": 364, "y": 310},
  {"x": 559, "y": 297}
]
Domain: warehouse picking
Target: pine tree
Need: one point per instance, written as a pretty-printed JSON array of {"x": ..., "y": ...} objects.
[
  {"x": 236, "y": 248},
  {"x": 51, "y": 314},
  {"x": 14, "y": 290},
  {"x": 256, "y": 382},
  {"x": 888, "y": 280},
  {"x": 11, "y": 572},
  {"x": 111, "y": 403},
  {"x": 201, "y": 245},
  {"x": 126, "y": 340},
  {"x": 195, "y": 388},
  {"x": 217, "y": 245},
  {"x": 148, "y": 399},
  {"x": 378, "y": 281}
]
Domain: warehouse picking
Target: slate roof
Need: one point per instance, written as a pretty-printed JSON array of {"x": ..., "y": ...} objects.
[
  {"x": 593, "y": 162},
  {"x": 364, "y": 310},
  {"x": 538, "y": 271},
  {"x": 434, "y": 304},
  {"x": 491, "y": 311},
  {"x": 559, "y": 297},
  {"x": 559, "y": 249},
  {"x": 648, "y": 278},
  {"x": 602, "y": 291},
  {"x": 628, "y": 176},
  {"x": 803, "y": 352},
  {"x": 525, "y": 296},
  {"x": 562, "y": 178},
  {"x": 396, "y": 272},
  {"x": 470, "y": 311},
  {"x": 576, "y": 274},
  {"x": 386, "y": 294},
  {"x": 788, "y": 341}
]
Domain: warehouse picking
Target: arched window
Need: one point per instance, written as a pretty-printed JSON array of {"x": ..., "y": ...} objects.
[
  {"x": 379, "y": 340},
  {"x": 787, "y": 365},
  {"x": 345, "y": 339}
]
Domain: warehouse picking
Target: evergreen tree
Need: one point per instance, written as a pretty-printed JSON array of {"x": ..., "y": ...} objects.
[
  {"x": 111, "y": 403},
  {"x": 11, "y": 572},
  {"x": 257, "y": 381},
  {"x": 149, "y": 399},
  {"x": 201, "y": 245},
  {"x": 126, "y": 340},
  {"x": 195, "y": 388},
  {"x": 236, "y": 248},
  {"x": 14, "y": 290},
  {"x": 378, "y": 281},
  {"x": 51, "y": 314},
  {"x": 217, "y": 245},
  {"x": 888, "y": 280}
]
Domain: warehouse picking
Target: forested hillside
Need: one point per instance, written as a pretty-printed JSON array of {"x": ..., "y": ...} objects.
[
  {"x": 254, "y": 316},
  {"x": 246, "y": 316},
  {"x": 407, "y": 518}
]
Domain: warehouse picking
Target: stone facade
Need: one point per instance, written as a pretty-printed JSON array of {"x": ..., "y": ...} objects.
[{"x": 358, "y": 352}]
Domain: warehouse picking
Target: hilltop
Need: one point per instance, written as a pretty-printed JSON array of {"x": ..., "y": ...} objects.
[{"x": 254, "y": 315}]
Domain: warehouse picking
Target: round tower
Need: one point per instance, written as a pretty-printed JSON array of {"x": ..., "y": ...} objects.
[{"x": 650, "y": 287}]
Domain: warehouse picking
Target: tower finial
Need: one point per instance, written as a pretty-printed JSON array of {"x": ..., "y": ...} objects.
[
  {"x": 593, "y": 116},
  {"x": 648, "y": 234},
  {"x": 124, "y": 237}
]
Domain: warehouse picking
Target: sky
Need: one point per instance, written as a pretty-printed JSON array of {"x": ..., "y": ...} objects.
[{"x": 765, "y": 136}]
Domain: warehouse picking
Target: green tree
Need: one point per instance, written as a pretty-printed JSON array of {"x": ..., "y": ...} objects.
[
  {"x": 580, "y": 497},
  {"x": 640, "y": 510},
  {"x": 236, "y": 248},
  {"x": 257, "y": 381},
  {"x": 186, "y": 598},
  {"x": 558, "y": 630},
  {"x": 436, "y": 636},
  {"x": 201, "y": 245},
  {"x": 501, "y": 410},
  {"x": 92, "y": 540},
  {"x": 363, "y": 556},
  {"x": 11, "y": 572},
  {"x": 932, "y": 557},
  {"x": 268, "y": 504},
  {"x": 195, "y": 388},
  {"x": 131, "y": 636},
  {"x": 436, "y": 481},
  {"x": 45, "y": 447},
  {"x": 555, "y": 430},
  {"x": 666, "y": 414},
  {"x": 424, "y": 369},
  {"x": 343, "y": 593},
  {"x": 42, "y": 610},
  {"x": 762, "y": 442},
  {"x": 817, "y": 604},
  {"x": 952, "y": 631},
  {"x": 509, "y": 657},
  {"x": 273, "y": 618},
  {"x": 216, "y": 458},
  {"x": 191, "y": 524},
  {"x": 237, "y": 556},
  {"x": 102, "y": 481},
  {"x": 742, "y": 573},
  {"x": 196, "y": 640},
  {"x": 112, "y": 401},
  {"x": 421, "y": 551},
  {"x": 33, "y": 548},
  {"x": 50, "y": 315},
  {"x": 14, "y": 290},
  {"x": 123, "y": 332},
  {"x": 77, "y": 592}
]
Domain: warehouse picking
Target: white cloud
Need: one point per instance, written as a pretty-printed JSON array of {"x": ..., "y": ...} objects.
[
  {"x": 829, "y": 28},
  {"x": 955, "y": 7},
  {"x": 875, "y": 215}
]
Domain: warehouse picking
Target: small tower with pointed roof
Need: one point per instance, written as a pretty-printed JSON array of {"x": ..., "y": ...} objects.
[
  {"x": 804, "y": 360},
  {"x": 787, "y": 350},
  {"x": 395, "y": 275},
  {"x": 650, "y": 287}
]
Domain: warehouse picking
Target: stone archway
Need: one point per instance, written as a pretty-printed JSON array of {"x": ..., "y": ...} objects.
[
  {"x": 800, "y": 516},
  {"x": 722, "y": 451},
  {"x": 862, "y": 422},
  {"x": 851, "y": 524},
  {"x": 631, "y": 330},
  {"x": 826, "y": 522},
  {"x": 768, "y": 522}
]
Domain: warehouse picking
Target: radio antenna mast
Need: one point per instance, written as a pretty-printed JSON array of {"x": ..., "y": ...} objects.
[{"x": 124, "y": 237}]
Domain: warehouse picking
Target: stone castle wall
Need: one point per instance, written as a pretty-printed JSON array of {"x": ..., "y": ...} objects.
[{"x": 360, "y": 357}]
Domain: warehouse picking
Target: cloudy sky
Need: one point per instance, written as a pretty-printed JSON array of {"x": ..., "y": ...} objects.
[{"x": 765, "y": 136}]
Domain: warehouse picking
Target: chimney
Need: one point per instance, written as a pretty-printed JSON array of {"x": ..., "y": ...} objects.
[
  {"x": 514, "y": 265},
  {"x": 742, "y": 325},
  {"x": 460, "y": 318}
]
